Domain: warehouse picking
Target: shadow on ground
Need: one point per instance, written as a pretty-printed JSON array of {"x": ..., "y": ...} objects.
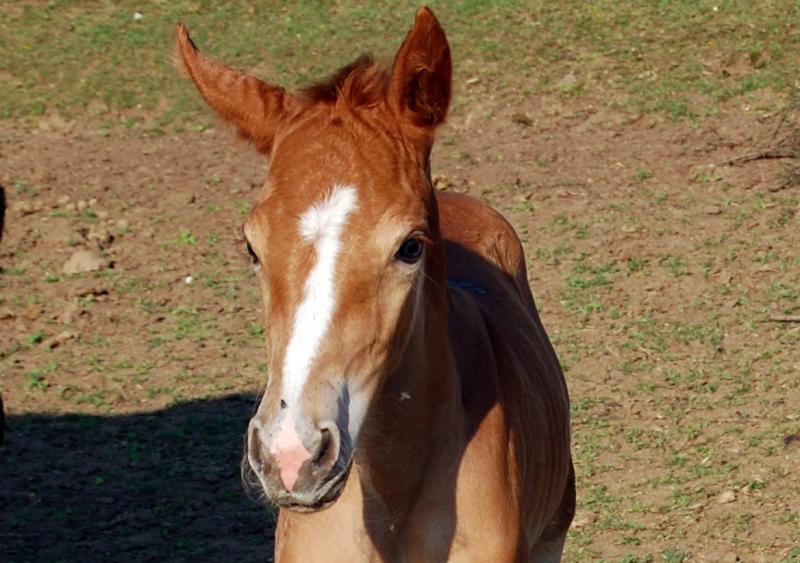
[{"x": 160, "y": 486}]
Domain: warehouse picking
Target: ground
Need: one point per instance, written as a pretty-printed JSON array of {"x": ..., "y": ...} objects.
[{"x": 665, "y": 267}]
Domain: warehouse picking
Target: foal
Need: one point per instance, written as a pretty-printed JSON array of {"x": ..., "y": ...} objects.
[{"x": 415, "y": 409}]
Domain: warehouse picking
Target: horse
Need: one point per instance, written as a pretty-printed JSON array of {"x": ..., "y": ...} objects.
[{"x": 415, "y": 409}]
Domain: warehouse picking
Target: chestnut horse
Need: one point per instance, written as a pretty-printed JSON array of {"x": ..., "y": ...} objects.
[{"x": 415, "y": 409}]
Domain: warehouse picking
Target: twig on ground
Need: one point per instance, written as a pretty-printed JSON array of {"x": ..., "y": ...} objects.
[
  {"x": 762, "y": 155},
  {"x": 785, "y": 318}
]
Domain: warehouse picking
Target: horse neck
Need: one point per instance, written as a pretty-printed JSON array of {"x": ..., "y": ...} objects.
[{"x": 415, "y": 419}]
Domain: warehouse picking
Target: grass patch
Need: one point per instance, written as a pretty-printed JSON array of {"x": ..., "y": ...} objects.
[{"x": 662, "y": 55}]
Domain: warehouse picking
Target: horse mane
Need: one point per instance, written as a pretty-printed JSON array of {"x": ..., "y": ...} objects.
[{"x": 358, "y": 84}]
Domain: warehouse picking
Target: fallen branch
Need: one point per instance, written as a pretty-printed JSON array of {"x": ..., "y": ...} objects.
[
  {"x": 762, "y": 155},
  {"x": 785, "y": 318}
]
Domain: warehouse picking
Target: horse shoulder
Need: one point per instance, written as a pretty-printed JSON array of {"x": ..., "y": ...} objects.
[{"x": 476, "y": 236}]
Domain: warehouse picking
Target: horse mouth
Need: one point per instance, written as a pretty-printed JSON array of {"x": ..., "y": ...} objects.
[{"x": 329, "y": 493}]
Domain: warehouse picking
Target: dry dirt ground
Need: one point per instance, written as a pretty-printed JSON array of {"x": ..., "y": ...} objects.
[{"x": 668, "y": 279}]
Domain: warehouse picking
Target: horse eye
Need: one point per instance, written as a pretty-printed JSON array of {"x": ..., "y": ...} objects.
[
  {"x": 410, "y": 251},
  {"x": 252, "y": 253}
]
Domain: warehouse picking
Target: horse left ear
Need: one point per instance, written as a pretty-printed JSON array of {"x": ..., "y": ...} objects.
[
  {"x": 255, "y": 107},
  {"x": 419, "y": 87}
]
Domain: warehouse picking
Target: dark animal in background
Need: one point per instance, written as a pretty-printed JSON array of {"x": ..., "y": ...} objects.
[
  {"x": 2, "y": 224},
  {"x": 2, "y": 422},
  {"x": 2, "y": 210}
]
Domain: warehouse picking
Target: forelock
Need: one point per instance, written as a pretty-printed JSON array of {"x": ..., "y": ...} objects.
[{"x": 361, "y": 83}]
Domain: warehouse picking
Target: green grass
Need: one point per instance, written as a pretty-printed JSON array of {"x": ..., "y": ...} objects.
[
  {"x": 642, "y": 174},
  {"x": 669, "y": 57},
  {"x": 37, "y": 378}
]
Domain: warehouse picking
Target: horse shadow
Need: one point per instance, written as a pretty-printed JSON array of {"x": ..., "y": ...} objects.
[{"x": 156, "y": 486}]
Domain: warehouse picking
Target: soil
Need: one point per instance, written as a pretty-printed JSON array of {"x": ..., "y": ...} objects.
[{"x": 127, "y": 389}]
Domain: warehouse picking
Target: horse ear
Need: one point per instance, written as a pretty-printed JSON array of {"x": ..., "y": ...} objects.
[
  {"x": 419, "y": 87},
  {"x": 255, "y": 107}
]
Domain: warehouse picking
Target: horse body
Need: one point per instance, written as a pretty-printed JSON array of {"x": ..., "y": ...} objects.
[
  {"x": 416, "y": 410},
  {"x": 455, "y": 496}
]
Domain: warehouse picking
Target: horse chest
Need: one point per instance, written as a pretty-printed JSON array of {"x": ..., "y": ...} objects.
[
  {"x": 356, "y": 546},
  {"x": 446, "y": 523}
]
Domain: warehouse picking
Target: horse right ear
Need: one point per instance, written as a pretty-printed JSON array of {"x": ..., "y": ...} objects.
[
  {"x": 419, "y": 87},
  {"x": 255, "y": 107}
]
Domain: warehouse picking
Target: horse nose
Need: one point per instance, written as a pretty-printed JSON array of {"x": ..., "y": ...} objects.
[{"x": 298, "y": 463}]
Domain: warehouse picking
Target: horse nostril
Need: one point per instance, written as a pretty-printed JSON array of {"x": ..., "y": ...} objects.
[
  {"x": 324, "y": 446},
  {"x": 328, "y": 452},
  {"x": 254, "y": 451}
]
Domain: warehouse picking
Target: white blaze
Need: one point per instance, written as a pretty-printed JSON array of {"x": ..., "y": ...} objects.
[{"x": 321, "y": 225}]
